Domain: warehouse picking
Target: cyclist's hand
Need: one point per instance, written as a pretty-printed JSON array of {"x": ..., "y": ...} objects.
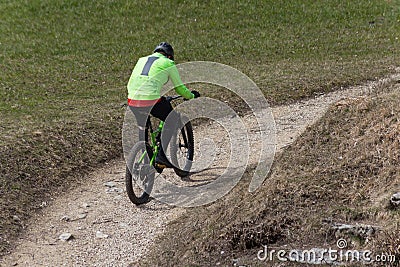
[{"x": 196, "y": 94}]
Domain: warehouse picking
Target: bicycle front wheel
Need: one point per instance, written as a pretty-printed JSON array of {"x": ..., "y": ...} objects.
[
  {"x": 139, "y": 176},
  {"x": 182, "y": 150}
]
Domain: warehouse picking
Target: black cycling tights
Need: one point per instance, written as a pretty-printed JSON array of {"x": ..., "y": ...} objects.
[{"x": 160, "y": 110}]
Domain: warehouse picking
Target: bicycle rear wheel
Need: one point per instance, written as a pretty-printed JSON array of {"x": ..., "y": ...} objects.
[
  {"x": 182, "y": 150},
  {"x": 139, "y": 176}
]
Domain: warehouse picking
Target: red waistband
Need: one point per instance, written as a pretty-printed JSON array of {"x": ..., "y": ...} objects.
[{"x": 142, "y": 103}]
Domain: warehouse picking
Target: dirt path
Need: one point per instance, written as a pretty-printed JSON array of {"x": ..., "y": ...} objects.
[{"x": 107, "y": 230}]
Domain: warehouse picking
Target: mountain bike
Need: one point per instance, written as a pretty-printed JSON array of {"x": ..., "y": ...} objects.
[{"x": 141, "y": 166}]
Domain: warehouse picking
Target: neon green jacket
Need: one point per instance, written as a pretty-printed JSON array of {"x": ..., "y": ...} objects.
[{"x": 150, "y": 74}]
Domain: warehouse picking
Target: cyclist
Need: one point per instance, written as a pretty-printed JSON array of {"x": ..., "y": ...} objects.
[{"x": 148, "y": 76}]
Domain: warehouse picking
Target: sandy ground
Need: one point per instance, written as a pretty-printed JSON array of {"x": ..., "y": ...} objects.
[{"x": 108, "y": 230}]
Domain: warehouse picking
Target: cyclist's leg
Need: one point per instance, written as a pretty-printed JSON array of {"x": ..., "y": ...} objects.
[
  {"x": 162, "y": 110},
  {"x": 141, "y": 115}
]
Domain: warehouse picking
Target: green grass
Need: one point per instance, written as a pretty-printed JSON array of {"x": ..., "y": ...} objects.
[{"x": 65, "y": 65}]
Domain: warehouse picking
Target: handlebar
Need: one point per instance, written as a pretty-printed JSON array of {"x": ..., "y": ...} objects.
[{"x": 170, "y": 98}]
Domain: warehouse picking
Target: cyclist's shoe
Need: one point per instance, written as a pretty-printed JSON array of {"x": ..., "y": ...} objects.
[
  {"x": 158, "y": 169},
  {"x": 162, "y": 162}
]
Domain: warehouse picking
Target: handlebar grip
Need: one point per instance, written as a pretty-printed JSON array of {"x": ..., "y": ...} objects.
[{"x": 170, "y": 98}]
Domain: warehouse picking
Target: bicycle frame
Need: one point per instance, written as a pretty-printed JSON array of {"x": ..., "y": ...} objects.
[
  {"x": 153, "y": 137},
  {"x": 153, "y": 144},
  {"x": 154, "y": 141}
]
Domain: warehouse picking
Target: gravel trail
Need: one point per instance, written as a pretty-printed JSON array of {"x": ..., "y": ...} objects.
[{"x": 107, "y": 230}]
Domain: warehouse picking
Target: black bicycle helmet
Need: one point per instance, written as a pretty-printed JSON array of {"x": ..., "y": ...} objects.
[{"x": 166, "y": 48}]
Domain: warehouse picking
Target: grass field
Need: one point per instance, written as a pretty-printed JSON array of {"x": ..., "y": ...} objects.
[{"x": 65, "y": 64}]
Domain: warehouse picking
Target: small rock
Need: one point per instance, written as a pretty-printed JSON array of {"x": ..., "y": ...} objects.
[
  {"x": 114, "y": 190},
  {"x": 65, "y": 237},
  {"x": 16, "y": 218},
  {"x": 395, "y": 199},
  {"x": 101, "y": 235},
  {"x": 360, "y": 230},
  {"x": 65, "y": 218},
  {"x": 123, "y": 225},
  {"x": 118, "y": 190},
  {"x": 82, "y": 215},
  {"x": 110, "y": 184},
  {"x": 118, "y": 197},
  {"x": 85, "y": 205}
]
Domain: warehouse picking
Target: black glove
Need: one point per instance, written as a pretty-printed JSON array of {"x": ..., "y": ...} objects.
[{"x": 196, "y": 94}]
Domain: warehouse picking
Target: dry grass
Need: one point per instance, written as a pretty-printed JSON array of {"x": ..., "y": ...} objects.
[
  {"x": 343, "y": 169},
  {"x": 49, "y": 161}
]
